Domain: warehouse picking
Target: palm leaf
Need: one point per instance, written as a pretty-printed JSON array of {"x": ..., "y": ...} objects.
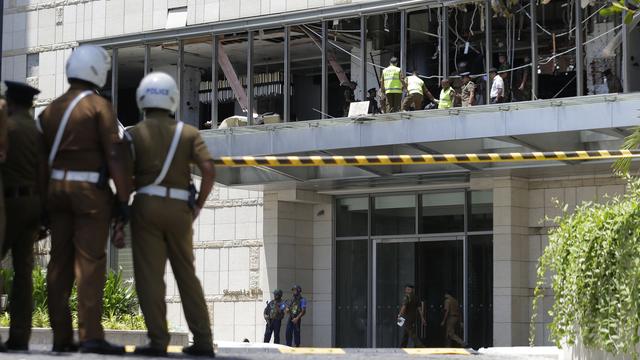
[{"x": 632, "y": 141}]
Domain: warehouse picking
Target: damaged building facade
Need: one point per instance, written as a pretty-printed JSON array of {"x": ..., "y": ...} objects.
[{"x": 267, "y": 77}]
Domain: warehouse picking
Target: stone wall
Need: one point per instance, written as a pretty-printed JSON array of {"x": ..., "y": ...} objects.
[{"x": 522, "y": 209}]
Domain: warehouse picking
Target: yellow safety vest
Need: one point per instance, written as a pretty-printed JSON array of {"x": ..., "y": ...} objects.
[
  {"x": 392, "y": 83},
  {"x": 415, "y": 85},
  {"x": 446, "y": 99}
]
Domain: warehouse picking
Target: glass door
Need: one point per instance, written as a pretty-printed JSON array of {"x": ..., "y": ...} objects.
[
  {"x": 395, "y": 268},
  {"x": 435, "y": 268}
]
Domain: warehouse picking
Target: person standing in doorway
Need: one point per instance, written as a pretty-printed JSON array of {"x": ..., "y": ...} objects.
[
  {"x": 296, "y": 308},
  {"x": 23, "y": 177},
  {"x": 273, "y": 314},
  {"x": 497, "y": 87},
  {"x": 81, "y": 134},
  {"x": 451, "y": 319},
  {"x": 393, "y": 85},
  {"x": 409, "y": 312},
  {"x": 165, "y": 206}
]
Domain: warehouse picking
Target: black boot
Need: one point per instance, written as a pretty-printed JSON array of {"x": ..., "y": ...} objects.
[
  {"x": 15, "y": 346},
  {"x": 150, "y": 350},
  {"x": 194, "y": 350},
  {"x": 65, "y": 348},
  {"x": 101, "y": 347}
]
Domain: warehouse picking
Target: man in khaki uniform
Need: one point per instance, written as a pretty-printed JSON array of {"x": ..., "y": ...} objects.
[
  {"x": 451, "y": 319},
  {"x": 80, "y": 201},
  {"x": 163, "y": 212},
  {"x": 23, "y": 181},
  {"x": 468, "y": 90}
]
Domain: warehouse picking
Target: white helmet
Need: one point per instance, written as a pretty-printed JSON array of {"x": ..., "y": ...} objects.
[
  {"x": 89, "y": 63},
  {"x": 158, "y": 90}
]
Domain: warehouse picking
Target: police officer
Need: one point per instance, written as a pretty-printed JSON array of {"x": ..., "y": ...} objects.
[
  {"x": 296, "y": 308},
  {"x": 392, "y": 85},
  {"x": 163, "y": 212},
  {"x": 23, "y": 178},
  {"x": 451, "y": 319},
  {"x": 80, "y": 133},
  {"x": 273, "y": 314}
]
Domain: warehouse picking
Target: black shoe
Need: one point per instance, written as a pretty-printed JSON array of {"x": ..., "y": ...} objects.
[
  {"x": 149, "y": 350},
  {"x": 101, "y": 347},
  {"x": 65, "y": 348},
  {"x": 14, "y": 346},
  {"x": 194, "y": 350}
]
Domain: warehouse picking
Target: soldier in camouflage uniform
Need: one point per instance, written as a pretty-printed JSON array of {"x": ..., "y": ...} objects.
[
  {"x": 273, "y": 314},
  {"x": 296, "y": 307}
]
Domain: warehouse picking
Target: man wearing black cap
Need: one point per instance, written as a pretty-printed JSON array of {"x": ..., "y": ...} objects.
[
  {"x": 296, "y": 308},
  {"x": 23, "y": 175}
]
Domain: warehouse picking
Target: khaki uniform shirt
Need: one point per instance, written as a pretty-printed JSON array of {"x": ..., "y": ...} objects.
[
  {"x": 151, "y": 141},
  {"x": 451, "y": 304},
  {"x": 23, "y": 161},
  {"x": 90, "y": 136},
  {"x": 465, "y": 93}
]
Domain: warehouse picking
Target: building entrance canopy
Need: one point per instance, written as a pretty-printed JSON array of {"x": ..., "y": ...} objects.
[{"x": 581, "y": 123}]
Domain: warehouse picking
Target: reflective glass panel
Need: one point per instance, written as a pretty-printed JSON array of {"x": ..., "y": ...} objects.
[
  {"x": 394, "y": 215},
  {"x": 481, "y": 211},
  {"x": 352, "y": 216},
  {"x": 442, "y": 212}
]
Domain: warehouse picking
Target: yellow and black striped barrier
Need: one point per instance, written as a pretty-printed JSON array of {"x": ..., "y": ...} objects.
[{"x": 373, "y": 160}]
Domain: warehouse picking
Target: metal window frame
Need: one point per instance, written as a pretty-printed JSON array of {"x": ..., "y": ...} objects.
[
  {"x": 324, "y": 106},
  {"x": 533, "y": 10},
  {"x": 488, "y": 55},
  {"x": 286, "y": 90},
  {"x": 579, "y": 34},
  {"x": 250, "y": 79},
  {"x": 214, "y": 81}
]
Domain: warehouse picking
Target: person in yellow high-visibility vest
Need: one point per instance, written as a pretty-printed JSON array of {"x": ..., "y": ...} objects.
[
  {"x": 447, "y": 95},
  {"x": 416, "y": 91},
  {"x": 393, "y": 85}
]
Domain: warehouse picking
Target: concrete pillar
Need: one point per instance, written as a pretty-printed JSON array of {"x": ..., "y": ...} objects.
[
  {"x": 511, "y": 292},
  {"x": 298, "y": 250}
]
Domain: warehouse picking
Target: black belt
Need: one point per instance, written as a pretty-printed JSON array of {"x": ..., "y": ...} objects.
[{"x": 18, "y": 192}]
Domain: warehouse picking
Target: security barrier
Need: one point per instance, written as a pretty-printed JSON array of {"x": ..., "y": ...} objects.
[{"x": 377, "y": 160}]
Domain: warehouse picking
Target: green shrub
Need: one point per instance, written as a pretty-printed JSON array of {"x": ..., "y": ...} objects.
[
  {"x": 593, "y": 257},
  {"x": 120, "y": 303}
]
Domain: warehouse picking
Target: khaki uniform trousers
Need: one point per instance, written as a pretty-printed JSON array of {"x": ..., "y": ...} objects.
[
  {"x": 79, "y": 215},
  {"x": 23, "y": 225},
  {"x": 161, "y": 229},
  {"x": 414, "y": 99},
  {"x": 393, "y": 102},
  {"x": 452, "y": 324}
]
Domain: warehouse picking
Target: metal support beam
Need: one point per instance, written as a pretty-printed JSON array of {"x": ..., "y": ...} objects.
[
  {"x": 147, "y": 59},
  {"x": 324, "y": 107},
  {"x": 363, "y": 56},
  {"x": 444, "y": 41},
  {"x": 114, "y": 80},
  {"x": 286, "y": 90},
  {"x": 533, "y": 9},
  {"x": 488, "y": 51},
  {"x": 250, "y": 99},
  {"x": 403, "y": 41},
  {"x": 214, "y": 81},
  {"x": 625, "y": 55},
  {"x": 579, "y": 47},
  {"x": 181, "y": 114}
]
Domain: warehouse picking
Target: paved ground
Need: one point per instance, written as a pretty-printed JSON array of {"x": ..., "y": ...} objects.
[{"x": 349, "y": 354}]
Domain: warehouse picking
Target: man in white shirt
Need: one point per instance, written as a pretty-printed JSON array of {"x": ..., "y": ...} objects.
[{"x": 497, "y": 87}]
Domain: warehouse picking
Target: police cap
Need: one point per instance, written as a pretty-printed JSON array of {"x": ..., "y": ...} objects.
[{"x": 20, "y": 93}]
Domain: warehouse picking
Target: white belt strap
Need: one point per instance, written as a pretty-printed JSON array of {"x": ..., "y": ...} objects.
[
  {"x": 170, "y": 154},
  {"x": 163, "y": 191},
  {"x": 63, "y": 124},
  {"x": 79, "y": 176}
]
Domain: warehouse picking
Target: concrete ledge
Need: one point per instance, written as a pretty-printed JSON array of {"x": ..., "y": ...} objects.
[{"x": 40, "y": 336}]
